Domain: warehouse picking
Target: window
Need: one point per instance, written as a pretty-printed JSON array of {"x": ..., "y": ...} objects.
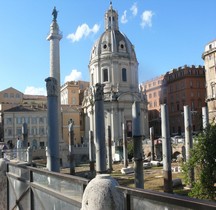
[
  {"x": 34, "y": 120},
  {"x": 9, "y": 121},
  {"x": 199, "y": 103},
  {"x": 17, "y": 95},
  {"x": 210, "y": 46},
  {"x": 192, "y": 105},
  {"x": 41, "y": 131},
  {"x": 105, "y": 75},
  {"x": 129, "y": 128},
  {"x": 12, "y": 95},
  {"x": 41, "y": 120},
  {"x": 150, "y": 104},
  {"x": 92, "y": 79},
  {"x": 42, "y": 145},
  {"x": 124, "y": 75},
  {"x": 172, "y": 107},
  {"x": 213, "y": 89},
  {"x": 73, "y": 100},
  {"x": 9, "y": 132},
  {"x": 5, "y": 95},
  {"x": 19, "y": 120},
  {"x": 183, "y": 94},
  {"x": 26, "y": 119},
  {"x": 177, "y": 107},
  {"x": 210, "y": 57},
  {"x": 34, "y": 131},
  {"x": 155, "y": 94},
  {"x": 19, "y": 131}
]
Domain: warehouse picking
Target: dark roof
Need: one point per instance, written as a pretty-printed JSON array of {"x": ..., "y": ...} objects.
[{"x": 25, "y": 109}]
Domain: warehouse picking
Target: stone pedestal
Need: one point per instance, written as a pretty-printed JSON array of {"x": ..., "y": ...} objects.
[{"x": 101, "y": 194}]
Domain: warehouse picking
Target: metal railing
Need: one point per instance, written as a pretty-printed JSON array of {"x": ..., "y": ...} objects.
[
  {"x": 33, "y": 188},
  {"x": 139, "y": 199}
]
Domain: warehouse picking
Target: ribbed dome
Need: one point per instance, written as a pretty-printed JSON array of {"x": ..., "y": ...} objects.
[
  {"x": 115, "y": 42},
  {"x": 112, "y": 41}
]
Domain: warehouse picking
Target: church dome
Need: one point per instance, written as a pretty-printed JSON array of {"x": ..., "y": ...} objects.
[{"x": 112, "y": 41}]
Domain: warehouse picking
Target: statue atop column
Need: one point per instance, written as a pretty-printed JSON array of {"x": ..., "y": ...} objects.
[{"x": 54, "y": 14}]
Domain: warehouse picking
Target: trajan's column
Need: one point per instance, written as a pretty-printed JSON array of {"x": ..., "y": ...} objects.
[{"x": 54, "y": 37}]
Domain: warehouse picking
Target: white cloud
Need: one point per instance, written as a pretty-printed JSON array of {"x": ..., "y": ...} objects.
[
  {"x": 75, "y": 75},
  {"x": 146, "y": 18},
  {"x": 83, "y": 31},
  {"x": 30, "y": 90},
  {"x": 134, "y": 9},
  {"x": 124, "y": 17}
]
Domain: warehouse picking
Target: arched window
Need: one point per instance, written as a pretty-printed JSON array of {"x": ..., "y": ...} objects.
[
  {"x": 124, "y": 75},
  {"x": 105, "y": 75}
]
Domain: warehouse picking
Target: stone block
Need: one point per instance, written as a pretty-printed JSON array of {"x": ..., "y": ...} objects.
[{"x": 127, "y": 170}]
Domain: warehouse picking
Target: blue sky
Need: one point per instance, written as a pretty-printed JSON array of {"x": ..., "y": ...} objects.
[{"x": 166, "y": 34}]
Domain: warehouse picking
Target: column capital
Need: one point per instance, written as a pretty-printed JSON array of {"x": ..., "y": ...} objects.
[
  {"x": 98, "y": 92},
  {"x": 51, "y": 86}
]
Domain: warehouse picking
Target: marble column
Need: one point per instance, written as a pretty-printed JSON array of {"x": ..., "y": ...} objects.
[
  {"x": 53, "y": 163},
  {"x": 100, "y": 145}
]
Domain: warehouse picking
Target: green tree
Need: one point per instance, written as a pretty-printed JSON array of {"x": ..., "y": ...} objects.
[
  {"x": 203, "y": 160},
  {"x": 130, "y": 149}
]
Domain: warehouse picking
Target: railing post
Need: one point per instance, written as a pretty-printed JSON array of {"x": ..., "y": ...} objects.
[
  {"x": 127, "y": 201},
  {"x": 31, "y": 192}
]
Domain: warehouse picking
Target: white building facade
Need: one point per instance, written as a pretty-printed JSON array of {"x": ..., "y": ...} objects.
[
  {"x": 113, "y": 63},
  {"x": 209, "y": 57}
]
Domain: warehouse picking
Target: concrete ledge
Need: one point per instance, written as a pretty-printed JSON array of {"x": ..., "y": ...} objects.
[{"x": 127, "y": 170}]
